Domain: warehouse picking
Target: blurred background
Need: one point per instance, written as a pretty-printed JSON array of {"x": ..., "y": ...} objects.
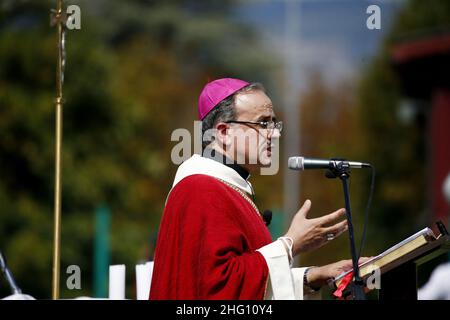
[{"x": 133, "y": 74}]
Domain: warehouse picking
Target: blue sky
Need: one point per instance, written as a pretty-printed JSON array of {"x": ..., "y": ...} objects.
[{"x": 332, "y": 37}]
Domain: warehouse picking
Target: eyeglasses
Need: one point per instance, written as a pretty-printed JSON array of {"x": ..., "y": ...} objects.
[{"x": 269, "y": 125}]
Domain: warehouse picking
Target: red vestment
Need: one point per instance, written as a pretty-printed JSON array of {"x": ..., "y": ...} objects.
[{"x": 206, "y": 244}]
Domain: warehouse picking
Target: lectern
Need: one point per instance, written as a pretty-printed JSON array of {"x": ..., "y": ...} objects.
[
  {"x": 398, "y": 267},
  {"x": 399, "y": 280}
]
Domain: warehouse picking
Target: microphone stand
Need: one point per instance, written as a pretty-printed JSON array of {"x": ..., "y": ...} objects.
[
  {"x": 8, "y": 276},
  {"x": 341, "y": 170}
]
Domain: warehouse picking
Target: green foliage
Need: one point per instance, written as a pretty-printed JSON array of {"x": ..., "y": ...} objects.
[
  {"x": 398, "y": 150},
  {"x": 132, "y": 75},
  {"x": 422, "y": 17}
]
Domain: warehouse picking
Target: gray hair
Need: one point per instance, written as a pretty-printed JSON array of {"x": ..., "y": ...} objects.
[{"x": 223, "y": 112}]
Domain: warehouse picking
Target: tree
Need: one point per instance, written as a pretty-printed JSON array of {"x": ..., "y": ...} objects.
[
  {"x": 397, "y": 149},
  {"x": 133, "y": 72},
  {"x": 330, "y": 128}
]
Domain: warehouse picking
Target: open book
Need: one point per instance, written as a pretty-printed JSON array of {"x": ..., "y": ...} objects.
[{"x": 392, "y": 256}]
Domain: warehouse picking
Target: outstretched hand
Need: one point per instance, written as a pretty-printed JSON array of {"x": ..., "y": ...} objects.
[{"x": 310, "y": 234}]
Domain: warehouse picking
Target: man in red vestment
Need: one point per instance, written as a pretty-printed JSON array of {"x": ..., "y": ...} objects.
[{"x": 213, "y": 242}]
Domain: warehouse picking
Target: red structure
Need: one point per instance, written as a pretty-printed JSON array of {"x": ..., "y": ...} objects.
[{"x": 424, "y": 69}]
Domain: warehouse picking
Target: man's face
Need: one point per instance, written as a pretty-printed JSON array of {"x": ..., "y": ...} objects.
[{"x": 252, "y": 145}]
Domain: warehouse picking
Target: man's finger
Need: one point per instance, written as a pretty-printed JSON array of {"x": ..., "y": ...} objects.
[
  {"x": 337, "y": 229},
  {"x": 330, "y": 218},
  {"x": 364, "y": 259},
  {"x": 305, "y": 208}
]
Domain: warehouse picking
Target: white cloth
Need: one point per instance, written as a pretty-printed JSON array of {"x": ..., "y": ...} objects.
[
  {"x": 438, "y": 287},
  {"x": 285, "y": 283},
  {"x": 281, "y": 279},
  {"x": 201, "y": 165}
]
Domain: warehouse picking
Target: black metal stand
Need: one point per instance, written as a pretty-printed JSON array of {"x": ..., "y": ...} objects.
[{"x": 341, "y": 170}]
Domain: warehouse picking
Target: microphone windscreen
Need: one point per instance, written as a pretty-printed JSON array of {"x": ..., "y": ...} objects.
[{"x": 295, "y": 163}]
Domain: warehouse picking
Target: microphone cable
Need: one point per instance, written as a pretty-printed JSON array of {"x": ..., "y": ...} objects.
[{"x": 366, "y": 213}]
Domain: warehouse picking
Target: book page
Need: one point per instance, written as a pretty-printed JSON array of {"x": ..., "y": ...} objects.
[{"x": 425, "y": 232}]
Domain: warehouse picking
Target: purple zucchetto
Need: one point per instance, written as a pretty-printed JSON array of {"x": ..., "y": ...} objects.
[{"x": 216, "y": 91}]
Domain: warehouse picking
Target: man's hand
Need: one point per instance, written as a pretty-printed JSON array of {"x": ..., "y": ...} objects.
[
  {"x": 310, "y": 234},
  {"x": 318, "y": 276}
]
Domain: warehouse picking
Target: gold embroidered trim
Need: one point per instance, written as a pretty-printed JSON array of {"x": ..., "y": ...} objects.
[{"x": 242, "y": 193}]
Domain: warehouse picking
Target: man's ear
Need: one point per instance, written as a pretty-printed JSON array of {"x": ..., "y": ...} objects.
[{"x": 222, "y": 135}]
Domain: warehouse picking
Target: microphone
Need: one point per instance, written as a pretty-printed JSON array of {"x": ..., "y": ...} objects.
[{"x": 302, "y": 163}]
